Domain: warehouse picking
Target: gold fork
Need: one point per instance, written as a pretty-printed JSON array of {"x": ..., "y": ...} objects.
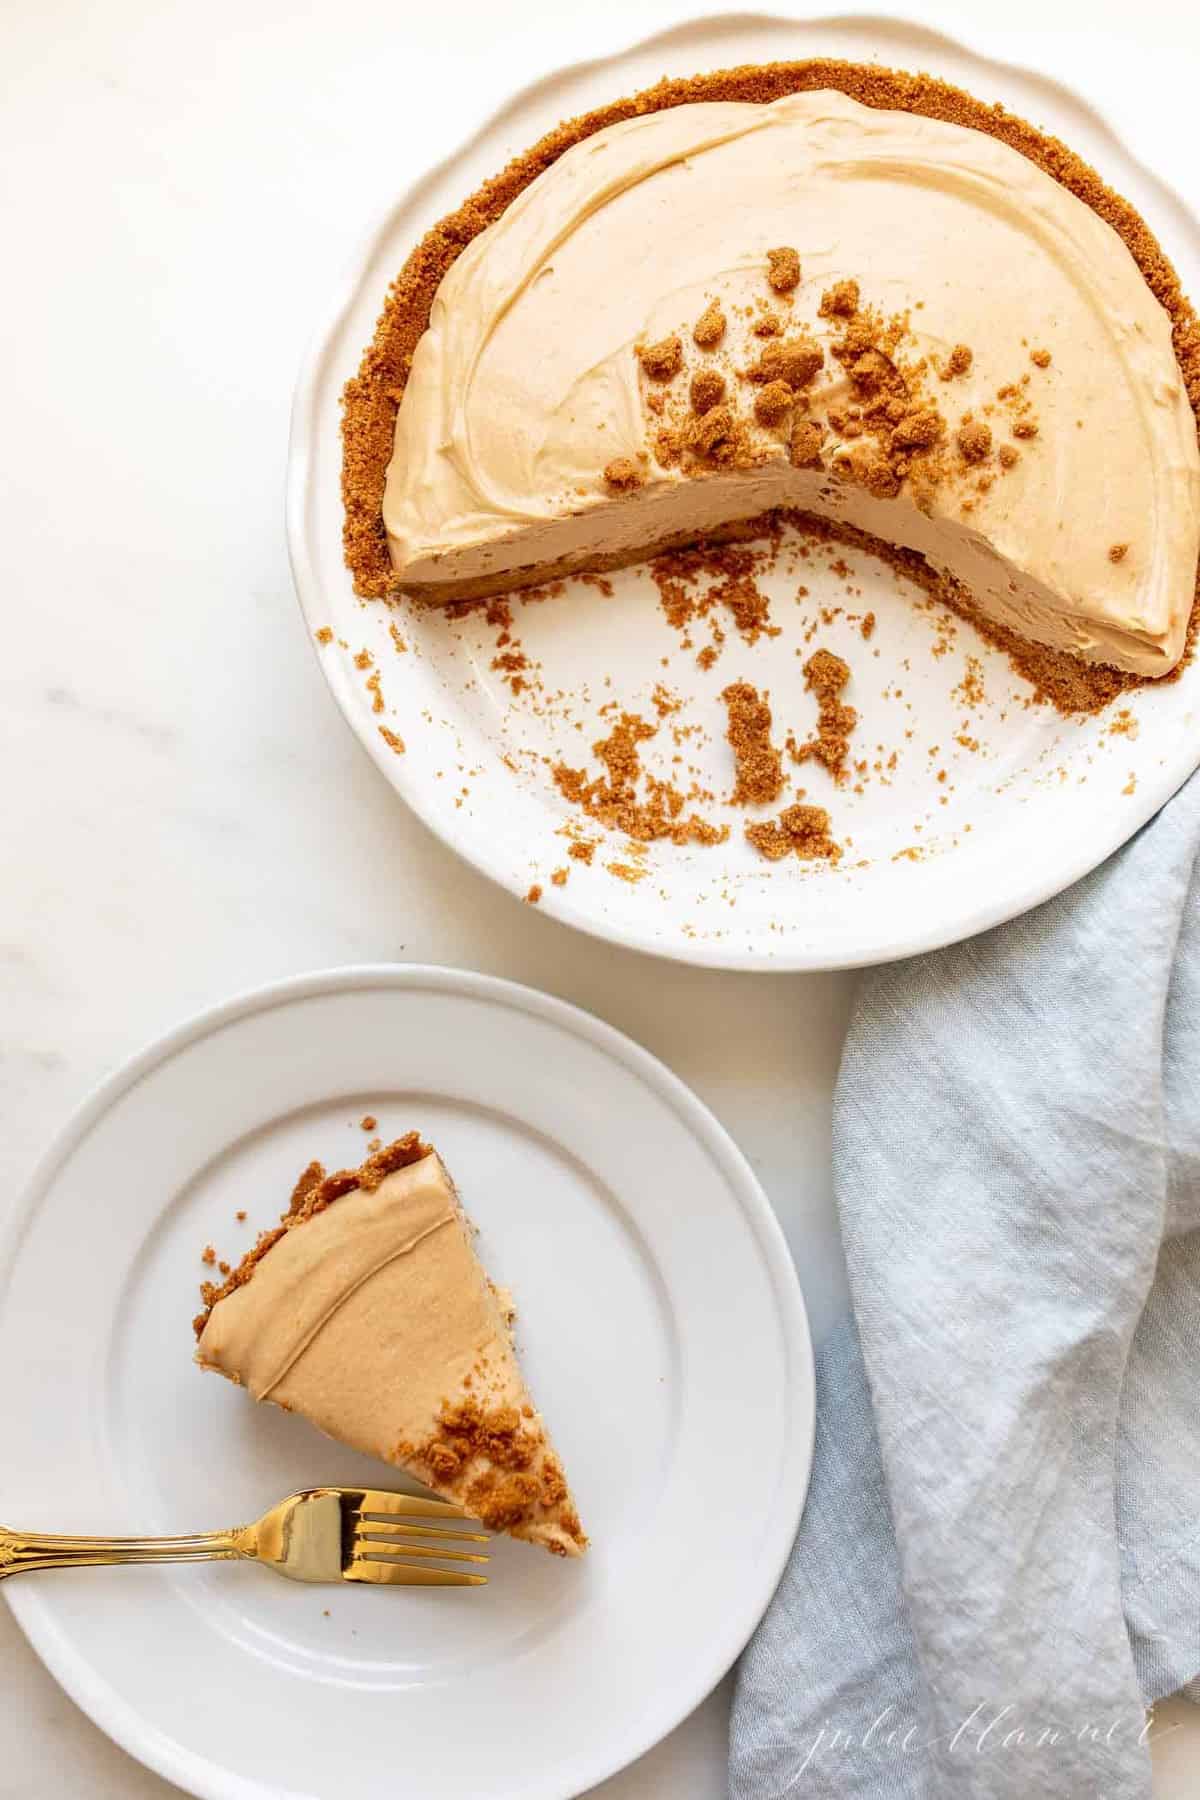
[{"x": 322, "y": 1534}]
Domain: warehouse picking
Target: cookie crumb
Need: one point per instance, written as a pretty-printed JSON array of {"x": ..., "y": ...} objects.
[
  {"x": 840, "y": 301},
  {"x": 534, "y": 895},
  {"x": 623, "y": 473},
  {"x": 758, "y": 777},
  {"x": 662, "y": 361},
  {"x": 709, "y": 328},
  {"x": 324, "y": 635},
  {"x": 1008, "y": 455},
  {"x": 612, "y": 797},
  {"x": 713, "y": 434},
  {"x": 773, "y": 403},
  {"x": 707, "y": 390},
  {"x": 918, "y": 429},
  {"x": 800, "y": 830},
  {"x": 1117, "y": 552},
  {"x": 1041, "y": 358},
  {"x": 805, "y": 448},
  {"x": 368, "y": 1122},
  {"x": 974, "y": 441},
  {"x": 870, "y": 469},
  {"x": 392, "y": 741},
  {"x": 957, "y": 363},
  {"x": 783, "y": 269},
  {"x": 559, "y": 877},
  {"x": 794, "y": 360},
  {"x": 825, "y": 675}
]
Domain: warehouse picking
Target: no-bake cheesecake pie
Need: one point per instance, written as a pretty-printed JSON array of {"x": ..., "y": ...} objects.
[
  {"x": 367, "y": 1311},
  {"x": 845, "y": 292}
]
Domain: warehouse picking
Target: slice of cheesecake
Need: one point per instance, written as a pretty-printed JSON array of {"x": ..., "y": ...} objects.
[
  {"x": 701, "y": 315},
  {"x": 367, "y": 1311}
]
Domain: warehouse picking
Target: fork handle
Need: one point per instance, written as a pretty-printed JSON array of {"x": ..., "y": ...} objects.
[{"x": 22, "y": 1550}]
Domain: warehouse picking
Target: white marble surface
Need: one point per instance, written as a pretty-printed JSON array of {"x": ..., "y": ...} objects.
[{"x": 184, "y": 812}]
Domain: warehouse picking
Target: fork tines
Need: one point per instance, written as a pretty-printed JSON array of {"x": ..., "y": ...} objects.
[{"x": 395, "y": 1535}]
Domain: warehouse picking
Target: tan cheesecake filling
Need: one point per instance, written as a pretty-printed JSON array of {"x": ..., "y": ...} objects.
[
  {"x": 369, "y": 1313},
  {"x": 1022, "y": 421}
]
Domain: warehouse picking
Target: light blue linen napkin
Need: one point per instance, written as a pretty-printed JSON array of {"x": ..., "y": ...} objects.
[{"x": 999, "y": 1561}]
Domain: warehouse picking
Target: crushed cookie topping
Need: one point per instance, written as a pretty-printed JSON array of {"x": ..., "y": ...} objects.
[
  {"x": 870, "y": 469},
  {"x": 889, "y": 428},
  {"x": 800, "y": 830},
  {"x": 825, "y": 675},
  {"x": 712, "y": 432},
  {"x": 709, "y": 328},
  {"x": 661, "y": 361},
  {"x": 519, "y": 1474},
  {"x": 613, "y": 799},
  {"x": 758, "y": 777},
  {"x": 783, "y": 269},
  {"x": 721, "y": 437},
  {"x": 668, "y": 447},
  {"x": 919, "y": 429},
  {"x": 773, "y": 403},
  {"x": 794, "y": 360},
  {"x": 957, "y": 363},
  {"x": 840, "y": 301},
  {"x": 805, "y": 447},
  {"x": 729, "y": 573},
  {"x": 622, "y": 473},
  {"x": 707, "y": 390},
  {"x": 974, "y": 440}
]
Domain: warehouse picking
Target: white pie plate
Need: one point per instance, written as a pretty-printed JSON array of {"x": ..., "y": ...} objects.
[
  {"x": 933, "y": 857},
  {"x": 660, "y": 1322}
]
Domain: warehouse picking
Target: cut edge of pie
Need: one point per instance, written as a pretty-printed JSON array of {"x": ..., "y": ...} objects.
[{"x": 367, "y": 1311}]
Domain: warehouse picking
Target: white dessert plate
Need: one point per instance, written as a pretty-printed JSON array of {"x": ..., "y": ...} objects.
[
  {"x": 659, "y": 1319},
  {"x": 973, "y": 805}
]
